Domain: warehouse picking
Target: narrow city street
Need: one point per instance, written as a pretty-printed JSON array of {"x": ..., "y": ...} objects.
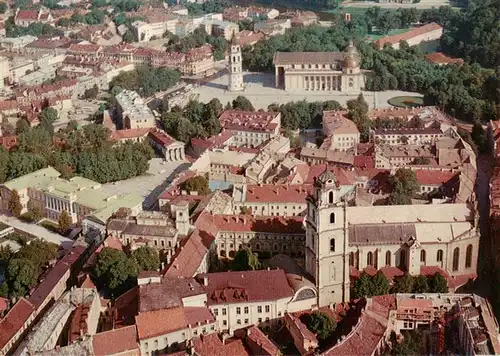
[{"x": 485, "y": 265}]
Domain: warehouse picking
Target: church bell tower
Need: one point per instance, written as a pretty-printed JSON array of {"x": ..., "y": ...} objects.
[{"x": 235, "y": 66}]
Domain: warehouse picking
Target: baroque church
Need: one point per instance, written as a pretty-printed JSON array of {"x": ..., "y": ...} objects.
[{"x": 342, "y": 240}]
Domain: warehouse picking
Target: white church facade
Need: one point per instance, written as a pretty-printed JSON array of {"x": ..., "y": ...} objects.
[{"x": 341, "y": 238}]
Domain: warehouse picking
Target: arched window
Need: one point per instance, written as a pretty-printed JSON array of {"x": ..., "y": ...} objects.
[
  {"x": 402, "y": 259},
  {"x": 388, "y": 258},
  {"x": 369, "y": 259},
  {"x": 440, "y": 256},
  {"x": 284, "y": 247},
  {"x": 257, "y": 247},
  {"x": 456, "y": 257},
  {"x": 351, "y": 259},
  {"x": 422, "y": 257},
  {"x": 468, "y": 257},
  {"x": 332, "y": 245},
  {"x": 275, "y": 247},
  {"x": 332, "y": 218},
  {"x": 330, "y": 197}
]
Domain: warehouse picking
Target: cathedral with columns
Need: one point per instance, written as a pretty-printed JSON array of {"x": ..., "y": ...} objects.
[{"x": 320, "y": 71}]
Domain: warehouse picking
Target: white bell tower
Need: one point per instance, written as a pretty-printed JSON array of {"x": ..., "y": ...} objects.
[{"x": 235, "y": 66}]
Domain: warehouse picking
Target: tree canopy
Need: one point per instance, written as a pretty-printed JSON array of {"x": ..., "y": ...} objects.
[
  {"x": 15, "y": 206},
  {"x": 147, "y": 258},
  {"x": 196, "y": 184},
  {"x": 114, "y": 271},
  {"x": 245, "y": 260},
  {"x": 146, "y": 80},
  {"x": 404, "y": 186},
  {"x": 321, "y": 324},
  {"x": 368, "y": 286}
]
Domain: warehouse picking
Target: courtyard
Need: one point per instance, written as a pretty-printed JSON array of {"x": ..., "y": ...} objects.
[
  {"x": 260, "y": 90},
  {"x": 150, "y": 185}
]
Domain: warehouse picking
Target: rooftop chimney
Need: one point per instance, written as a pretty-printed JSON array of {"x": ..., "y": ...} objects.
[{"x": 205, "y": 280}]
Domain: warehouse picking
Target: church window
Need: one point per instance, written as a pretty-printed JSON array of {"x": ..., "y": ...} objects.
[
  {"x": 456, "y": 257},
  {"x": 440, "y": 256},
  {"x": 332, "y": 218},
  {"x": 332, "y": 245},
  {"x": 468, "y": 257},
  {"x": 422, "y": 256},
  {"x": 330, "y": 197},
  {"x": 333, "y": 272},
  {"x": 351, "y": 259},
  {"x": 402, "y": 259},
  {"x": 369, "y": 259},
  {"x": 388, "y": 258}
]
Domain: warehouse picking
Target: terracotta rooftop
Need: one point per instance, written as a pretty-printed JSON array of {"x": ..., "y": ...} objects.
[
  {"x": 238, "y": 120},
  {"x": 259, "y": 343},
  {"x": 27, "y": 15},
  {"x": 286, "y": 58},
  {"x": 164, "y": 321},
  {"x": 14, "y": 320},
  {"x": 211, "y": 345},
  {"x": 235, "y": 287},
  {"x": 409, "y": 131},
  {"x": 115, "y": 341},
  {"x": 407, "y": 35},
  {"x": 160, "y": 137},
  {"x": 273, "y": 224},
  {"x": 335, "y": 122},
  {"x": 434, "y": 177},
  {"x": 374, "y": 234},
  {"x": 128, "y": 134},
  {"x": 441, "y": 58},
  {"x": 53, "y": 277},
  {"x": 278, "y": 193}
]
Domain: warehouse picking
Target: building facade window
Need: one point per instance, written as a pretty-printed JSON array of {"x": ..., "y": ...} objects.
[
  {"x": 332, "y": 245},
  {"x": 246, "y": 310},
  {"x": 259, "y": 309},
  {"x": 332, "y": 218},
  {"x": 388, "y": 258},
  {"x": 439, "y": 256},
  {"x": 456, "y": 257},
  {"x": 330, "y": 197},
  {"x": 468, "y": 257},
  {"x": 223, "y": 311},
  {"x": 369, "y": 259},
  {"x": 422, "y": 257},
  {"x": 351, "y": 259},
  {"x": 238, "y": 310},
  {"x": 267, "y": 308}
]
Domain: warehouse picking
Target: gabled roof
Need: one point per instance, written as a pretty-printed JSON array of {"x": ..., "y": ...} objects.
[
  {"x": 115, "y": 341},
  {"x": 14, "y": 320}
]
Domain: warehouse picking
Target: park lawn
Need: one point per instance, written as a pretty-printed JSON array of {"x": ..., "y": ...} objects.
[{"x": 406, "y": 101}]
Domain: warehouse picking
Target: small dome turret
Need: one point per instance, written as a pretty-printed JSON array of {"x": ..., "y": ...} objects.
[{"x": 351, "y": 58}]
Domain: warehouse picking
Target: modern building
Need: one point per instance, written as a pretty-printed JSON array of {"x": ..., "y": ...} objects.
[
  {"x": 341, "y": 238},
  {"x": 320, "y": 71},
  {"x": 235, "y": 66},
  {"x": 133, "y": 112}
]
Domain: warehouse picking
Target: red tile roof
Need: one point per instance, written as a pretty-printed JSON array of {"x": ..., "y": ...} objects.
[
  {"x": 343, "y": 176},
  {"x": 292, "y": 224},
  {"x": 336, "y": 122},
  {"x": 407, "y": 35},
  {"x": 128, "y": 134},
  {"x": 211, "y": 345},
  {"x": 27, "y": 15},
  {"x": 362, "y": 340},
  {"x": 164, "y": 321},
  {"x": 259, "y": 343},
  {"x": 14, "y": 320},
  {"x": 4, "y": 303},
  {"x": 433, "y": 177},
  {"x": 53, "y": 277},
  {"x": 279, "y": 193},
  {"x": 239, "y": 120},
  {"x": 364, "y": 161},
  {"x": 8, "y": 142},
  {"x": 391, "y": 272},
  {"x": 116, "y": 341},
  {"x": 235, "y": 287},
  {"x": 161, "y": 138},
  {"x": 441, "y": 58}
]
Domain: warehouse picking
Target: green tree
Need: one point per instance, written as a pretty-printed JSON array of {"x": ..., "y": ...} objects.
[
  {"x": 411, "y": 344},
  {"x": 403, "y": 284},
  {"x": 114, "y": 270},
  {"x": 49, "y": 114},
  {"x": 420, "y": 284},
  {"x": 21, "y": 275},
  {"x": 321, "y": 324},
  {"x": 196, "y": 184},
  {"x": 15, "y": 206},
  {"x": 358, "y": 113},
  {"x": 65, "y": 222},
  {"x": 404, "y": 186},
  {"x": 4, "y": 164},
  {"x": 5, "y": 254},
  {"x": 245, "y": 260},
  {"x": 242, "y": 103},
  {"x": 3, "y": 7},
  {"x": 36, "y": 213},
  {"x": 438, "y": 283},
  {"x": 39, "y": 252},
  {"x": 91, "y": 93},
  {"x": 362, "y": 286},
  {"x": 479, "y": 137},
  {"x": 147, "y": 258},
  {"x": 22, "y": 125},
  {"x": 380, "y": 284}
]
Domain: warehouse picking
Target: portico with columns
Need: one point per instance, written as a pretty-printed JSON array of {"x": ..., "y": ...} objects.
[
  {"x": 174, "y": 154},
  {"x": 171, "y": 149}
]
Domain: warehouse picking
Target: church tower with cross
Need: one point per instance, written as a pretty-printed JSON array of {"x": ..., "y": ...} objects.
[{"x": 235, "y": 66}]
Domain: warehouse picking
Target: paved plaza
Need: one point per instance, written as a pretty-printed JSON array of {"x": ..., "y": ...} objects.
[
  {"x": 260, "y": 90},
  {"x": 150, "y": 185}
]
